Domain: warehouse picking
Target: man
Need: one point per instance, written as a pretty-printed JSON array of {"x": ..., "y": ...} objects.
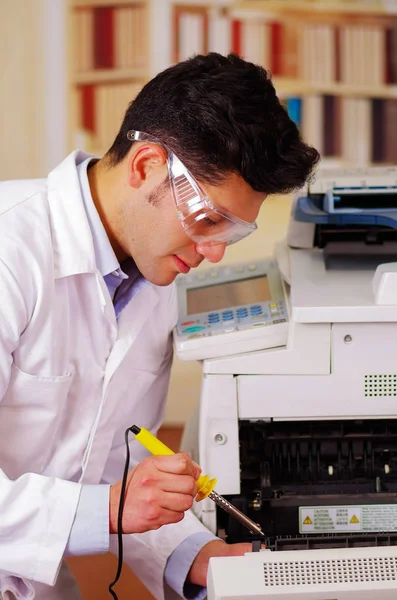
[{"x": 87, "y": 259}]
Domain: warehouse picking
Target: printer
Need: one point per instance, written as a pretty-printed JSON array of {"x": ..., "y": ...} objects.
[{"x": 300, "y": 428}]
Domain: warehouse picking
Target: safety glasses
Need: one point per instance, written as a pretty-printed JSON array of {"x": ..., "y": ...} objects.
[{"x": 202, "y": 221}]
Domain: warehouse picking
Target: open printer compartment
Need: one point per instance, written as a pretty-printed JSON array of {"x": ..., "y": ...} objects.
[{"x": 290, "y": 464}]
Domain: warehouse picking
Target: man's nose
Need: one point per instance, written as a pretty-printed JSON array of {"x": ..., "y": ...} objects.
[{"x": 212, "y": 252}]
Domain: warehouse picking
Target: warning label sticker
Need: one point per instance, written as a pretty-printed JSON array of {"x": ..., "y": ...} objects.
[{"x": 347, "y": 519}]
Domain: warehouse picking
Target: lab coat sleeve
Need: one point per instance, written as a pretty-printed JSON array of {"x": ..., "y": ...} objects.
[
  {"x": 147, "y": 553},
  {"x": 37, "y": 512}
]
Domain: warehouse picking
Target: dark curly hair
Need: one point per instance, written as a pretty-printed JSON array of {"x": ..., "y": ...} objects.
[{"x": 220, "y": 114}]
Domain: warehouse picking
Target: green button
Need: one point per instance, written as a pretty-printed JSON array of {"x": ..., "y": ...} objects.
[{"x": 193, "y": 329}]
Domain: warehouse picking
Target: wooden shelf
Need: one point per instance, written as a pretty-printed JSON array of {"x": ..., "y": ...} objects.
[
  {"x": 297, "y": 87},
  {"x": 92, "y": 3},
  {"x": 109, "y": 75},
  {"x": 313, "y": 7}
]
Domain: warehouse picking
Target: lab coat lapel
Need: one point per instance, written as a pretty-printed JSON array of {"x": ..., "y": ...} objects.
[
  {"x": 107, "y": 306},
  {"x": 131, "y": 321}
]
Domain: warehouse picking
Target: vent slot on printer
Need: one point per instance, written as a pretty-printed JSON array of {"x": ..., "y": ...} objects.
[{"x": 329, "y": 572}]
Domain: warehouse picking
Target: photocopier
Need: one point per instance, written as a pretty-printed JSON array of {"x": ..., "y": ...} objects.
[{"x": 298, "y": 410}]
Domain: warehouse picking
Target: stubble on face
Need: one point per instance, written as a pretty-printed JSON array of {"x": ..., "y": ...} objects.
[{"x": 155, "y": 196}]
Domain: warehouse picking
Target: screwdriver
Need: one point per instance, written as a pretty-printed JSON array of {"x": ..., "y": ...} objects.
[{"x": 205, "y": 485}]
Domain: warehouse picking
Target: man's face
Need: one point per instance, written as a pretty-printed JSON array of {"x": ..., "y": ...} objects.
[{"x": 154, "y": 236}]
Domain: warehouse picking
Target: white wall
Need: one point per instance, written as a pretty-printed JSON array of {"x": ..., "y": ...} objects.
[{"x": 185, "y": 382}]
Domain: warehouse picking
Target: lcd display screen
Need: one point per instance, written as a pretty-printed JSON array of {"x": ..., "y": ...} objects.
[{"x": 226, "y": 295}]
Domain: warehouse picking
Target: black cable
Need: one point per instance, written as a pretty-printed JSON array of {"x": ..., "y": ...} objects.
[{"x": 120, "y": 515}]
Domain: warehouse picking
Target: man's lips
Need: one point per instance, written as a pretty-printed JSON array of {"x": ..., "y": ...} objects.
[{"x": 183, "y": 266}]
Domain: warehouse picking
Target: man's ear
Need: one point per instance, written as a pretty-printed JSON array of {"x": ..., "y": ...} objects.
[{"x": 143, "y": 162}]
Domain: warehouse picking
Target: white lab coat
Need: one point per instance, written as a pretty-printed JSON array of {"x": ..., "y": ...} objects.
[{"x": 71, "y": 380}]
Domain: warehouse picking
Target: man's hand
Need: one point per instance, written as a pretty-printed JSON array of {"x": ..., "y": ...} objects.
[
  {"x": 159, "y": 490},
  {"x": 199, "y": 568}
]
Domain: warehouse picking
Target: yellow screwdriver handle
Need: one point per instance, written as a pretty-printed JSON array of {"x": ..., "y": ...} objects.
[{"x": 205, "y": 485}]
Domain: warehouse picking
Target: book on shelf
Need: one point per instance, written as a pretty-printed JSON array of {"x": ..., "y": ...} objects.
[
  {"x": 353, "y": 53},
  {"x": 191, "y": 31},
  {"x": 358, "y": 131},
  {"x": 109, "y": 37},
  {"x": 102, "y": 108}
]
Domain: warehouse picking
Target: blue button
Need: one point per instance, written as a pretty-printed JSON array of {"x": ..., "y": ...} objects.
[
  {"x": 243, "y": 312},
  {"x": 256, "y": 307},
  {"x": 228, "y": 317},
  {"x": 212, "y": 315},
  {"x": 227, "y": 312},
  {"x": 193, "y": 329}
]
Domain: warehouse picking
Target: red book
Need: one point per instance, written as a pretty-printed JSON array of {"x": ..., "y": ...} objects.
[
  {"x": 175, "y": 37},
  {"x": 338, "y": 69},
  {"x": 104, "y": 37},
  {"x": 277, "y": 48},
  {"x": 378, "y": 130},
  {"x": 390, "y": 131},
  {"x": 206, "y": 30},
  {"x": 88, "y": 107},
  {"x": 236, "y": 37},
  {"x": 391, "y": 55}
]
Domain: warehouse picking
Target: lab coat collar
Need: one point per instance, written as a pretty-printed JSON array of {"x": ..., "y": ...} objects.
[{"x": 72, "y": 238}]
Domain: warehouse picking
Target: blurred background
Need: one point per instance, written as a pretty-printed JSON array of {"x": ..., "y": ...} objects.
[{"x": 70, "y": 67}]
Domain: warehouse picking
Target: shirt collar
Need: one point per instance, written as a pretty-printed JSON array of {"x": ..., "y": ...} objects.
[{"x": 105, "y": 257}]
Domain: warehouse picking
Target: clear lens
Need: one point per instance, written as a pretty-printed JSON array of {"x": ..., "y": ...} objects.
[{"x": 201, "y": 219}]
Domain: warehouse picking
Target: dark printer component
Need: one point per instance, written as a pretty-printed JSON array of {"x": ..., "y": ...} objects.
[{"x": 288, "y": 465}]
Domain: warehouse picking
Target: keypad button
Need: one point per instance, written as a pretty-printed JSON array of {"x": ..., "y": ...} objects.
[
  {"x": 213, "y": 318},
  {"x": 193, "y": 329},
  {"x": 186, "y": 323}
]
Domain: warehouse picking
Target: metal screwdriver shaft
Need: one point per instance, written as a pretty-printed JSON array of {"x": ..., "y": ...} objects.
[
  {"x": 236, "y": 513},
  {"x": 205, "y": 485}
]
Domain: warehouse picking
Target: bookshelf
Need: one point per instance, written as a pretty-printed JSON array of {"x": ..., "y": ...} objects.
[
  {"x": 318, "y": 7},
  {"x": 291, "y": 86},
  {"x": 107, "y": 66},
  {"x": 116, "y": 46},
  {"x": 334, "y": 65}
]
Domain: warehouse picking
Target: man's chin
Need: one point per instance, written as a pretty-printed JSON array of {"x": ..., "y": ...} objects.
[{"x": 161, "y": 279}]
